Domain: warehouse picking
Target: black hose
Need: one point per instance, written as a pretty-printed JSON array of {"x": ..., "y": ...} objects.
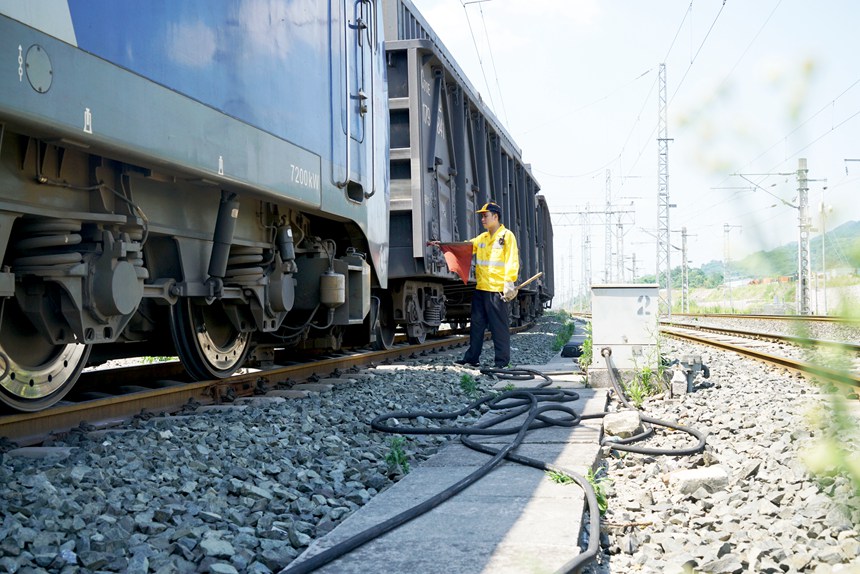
[
  {"x": 516, "y": 402},
  {"x": 623, "y": 444}
]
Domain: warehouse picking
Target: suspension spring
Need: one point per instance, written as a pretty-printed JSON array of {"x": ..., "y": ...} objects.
[{"x": 47, "y": 243}]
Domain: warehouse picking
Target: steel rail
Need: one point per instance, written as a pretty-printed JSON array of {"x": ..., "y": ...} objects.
[
  {"x": 804, "y": 367},
  {"x": 793, "y": 339},
  {"x": 795, "y": 318},
  {"x": 106, "y": 411}
]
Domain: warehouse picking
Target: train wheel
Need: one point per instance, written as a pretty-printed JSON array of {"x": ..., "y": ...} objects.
[
  {"x": 35, "y": 374},
  {"x": 416, "y": 334},
  {"x": 208, "y": 344},
  {"x": 385, "y": 325}
]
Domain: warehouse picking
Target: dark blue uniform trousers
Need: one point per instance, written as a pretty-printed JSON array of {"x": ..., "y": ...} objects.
[{"x": 488, "y": 308}]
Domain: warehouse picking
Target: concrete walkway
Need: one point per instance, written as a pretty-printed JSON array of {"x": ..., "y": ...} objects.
[{"x": 513, "y": 521}]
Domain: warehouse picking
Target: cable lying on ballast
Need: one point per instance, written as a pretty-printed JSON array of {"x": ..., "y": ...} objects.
[
  {"x": 624, "y": 444},
  {"x": 537, "y": 403}
]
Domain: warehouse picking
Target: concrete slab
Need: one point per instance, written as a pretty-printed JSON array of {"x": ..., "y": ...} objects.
[
  {"x": 336, "y": 381},
  {"x": 511, "y": 521},
  {"x": 289, "y": 394},
  {"x": 316, "y": 387}
]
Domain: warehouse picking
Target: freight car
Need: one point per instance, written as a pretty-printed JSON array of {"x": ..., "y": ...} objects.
[
  {"x": 207, "y": 178},
  {"x": 449, "y": 155}
]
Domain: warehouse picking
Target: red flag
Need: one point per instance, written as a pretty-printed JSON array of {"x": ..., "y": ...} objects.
[{"x": 458, "y": 256}]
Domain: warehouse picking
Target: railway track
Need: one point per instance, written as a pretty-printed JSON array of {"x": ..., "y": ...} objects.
[
  {"x": 164, "y": 387},
  {"x": 806, "y": 342},
  {"x": 752, "y": 344}
]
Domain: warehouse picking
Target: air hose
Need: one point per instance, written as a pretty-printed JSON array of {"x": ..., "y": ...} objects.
[
  {"x": 624, "y": 444},
  {"x": 537, "y": 403}
]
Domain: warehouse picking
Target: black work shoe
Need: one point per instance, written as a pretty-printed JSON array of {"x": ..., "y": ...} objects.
[{"x": 465, "y": 362}]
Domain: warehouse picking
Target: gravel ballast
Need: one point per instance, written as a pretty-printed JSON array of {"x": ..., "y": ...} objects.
[
  {"x": 232, "y": 489},
  {"x": 770, "y": 515},
  {"x": 247, "y": 488}
]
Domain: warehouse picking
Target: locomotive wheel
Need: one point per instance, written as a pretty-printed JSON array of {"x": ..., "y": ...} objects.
[
  {"x": 385, "y": 325},
  {"x": 208, "y": 344},
  {"x": 416, "y": 334},
  {"x": 35, "y": 373}
]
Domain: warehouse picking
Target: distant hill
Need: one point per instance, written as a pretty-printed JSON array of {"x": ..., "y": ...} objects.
[{"x": 842, "y": 249}]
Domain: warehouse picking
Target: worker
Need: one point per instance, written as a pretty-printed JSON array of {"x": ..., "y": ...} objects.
[{"x": 496, "y": 269}]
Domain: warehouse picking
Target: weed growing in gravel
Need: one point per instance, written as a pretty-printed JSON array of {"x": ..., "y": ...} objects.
[
  {"x": 599, "y": 482},
  {"x": 587, "y": 355},
  {"x": 636, "y": 392},
  {"x": 509, "y": 387},
  {"x": 559, "y": 477},
  {"x": 468, "y": 384},
  {"x": 396, "y": 457}
]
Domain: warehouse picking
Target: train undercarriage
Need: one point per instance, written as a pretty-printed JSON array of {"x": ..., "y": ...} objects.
[{"x": 102, "y": 259}]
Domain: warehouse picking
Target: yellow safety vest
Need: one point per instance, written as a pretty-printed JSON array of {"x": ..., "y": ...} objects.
[{"x": 497, "y": 259}]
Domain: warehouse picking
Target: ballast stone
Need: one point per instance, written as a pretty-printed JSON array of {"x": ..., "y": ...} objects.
[
  {"x": 711, "y": 478},
  {"x": 622, "y": 424}
]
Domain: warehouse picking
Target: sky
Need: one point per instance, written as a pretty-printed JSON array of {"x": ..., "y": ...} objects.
[{"x": 751, "y": 87}]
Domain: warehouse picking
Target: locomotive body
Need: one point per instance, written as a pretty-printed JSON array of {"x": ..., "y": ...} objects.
[
  {"x": 207, "y": 173},
  {"x": 210, "y": 179}
]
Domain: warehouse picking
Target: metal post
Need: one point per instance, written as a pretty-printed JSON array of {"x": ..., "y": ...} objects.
[
  {"x": 727, "y": 280},
  {"x": 685, "y": 279},
  {"x": 803, "y": 238},
  {"x": 619, "y": 253},
  {"x": 664, "y": 265},
  {"x": 607, "y": 248},
  {"x": 823, "y": 253}
]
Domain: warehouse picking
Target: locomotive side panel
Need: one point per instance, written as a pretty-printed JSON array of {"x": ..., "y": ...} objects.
[{"x": 201, "y": 172}]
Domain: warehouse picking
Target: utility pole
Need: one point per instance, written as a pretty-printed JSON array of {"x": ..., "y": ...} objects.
[
  {"x": 607, "y": 235},
  {"x": 803, "y": 256},
  {"x": 685, "y": 274},
  {"x": 823, "y": 210},
  {"x": 726, "y": 261},
  {"x": 804, "y": 228},
  {"x": 619, "y": 253},
  {"x": 664, "y": 265}
]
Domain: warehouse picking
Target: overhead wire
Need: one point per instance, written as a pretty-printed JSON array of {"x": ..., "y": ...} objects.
[
  {"x": 493, "y": 62},
  {"x": 684, "y": 77},
  {"x": 798, "y": 127},
  {"x": 478, "y": 53}
]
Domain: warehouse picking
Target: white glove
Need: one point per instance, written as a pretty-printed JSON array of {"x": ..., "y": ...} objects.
[{"x": 509, "y": 292}]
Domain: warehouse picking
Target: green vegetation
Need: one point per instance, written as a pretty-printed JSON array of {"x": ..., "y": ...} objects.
[
  {"x": 468, "y": 384},
  {"x": 396, "y": 457},
  {"x": 563, "y": 335},
  {"x": 587, "y": 356},
  {"x": 837, "y": 433},
  {"x": 559, "y": 477},
  {"x": 599, "y": 482}
]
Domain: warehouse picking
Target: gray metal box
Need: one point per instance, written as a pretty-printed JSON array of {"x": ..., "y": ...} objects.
[{"x": 625, "y": 317}]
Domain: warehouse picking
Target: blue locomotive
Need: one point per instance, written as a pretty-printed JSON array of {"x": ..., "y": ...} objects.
[{"x": 210, "y": 178}]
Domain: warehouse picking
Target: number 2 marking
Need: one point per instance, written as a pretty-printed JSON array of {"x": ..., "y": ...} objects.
[{"x": 644, "y": 302}]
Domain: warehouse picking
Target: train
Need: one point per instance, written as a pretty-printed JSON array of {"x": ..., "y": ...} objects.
[{"x": 229, "y": 180}]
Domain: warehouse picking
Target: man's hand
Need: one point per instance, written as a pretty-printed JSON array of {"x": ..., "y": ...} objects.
[{"x": 510, "y": 292}]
